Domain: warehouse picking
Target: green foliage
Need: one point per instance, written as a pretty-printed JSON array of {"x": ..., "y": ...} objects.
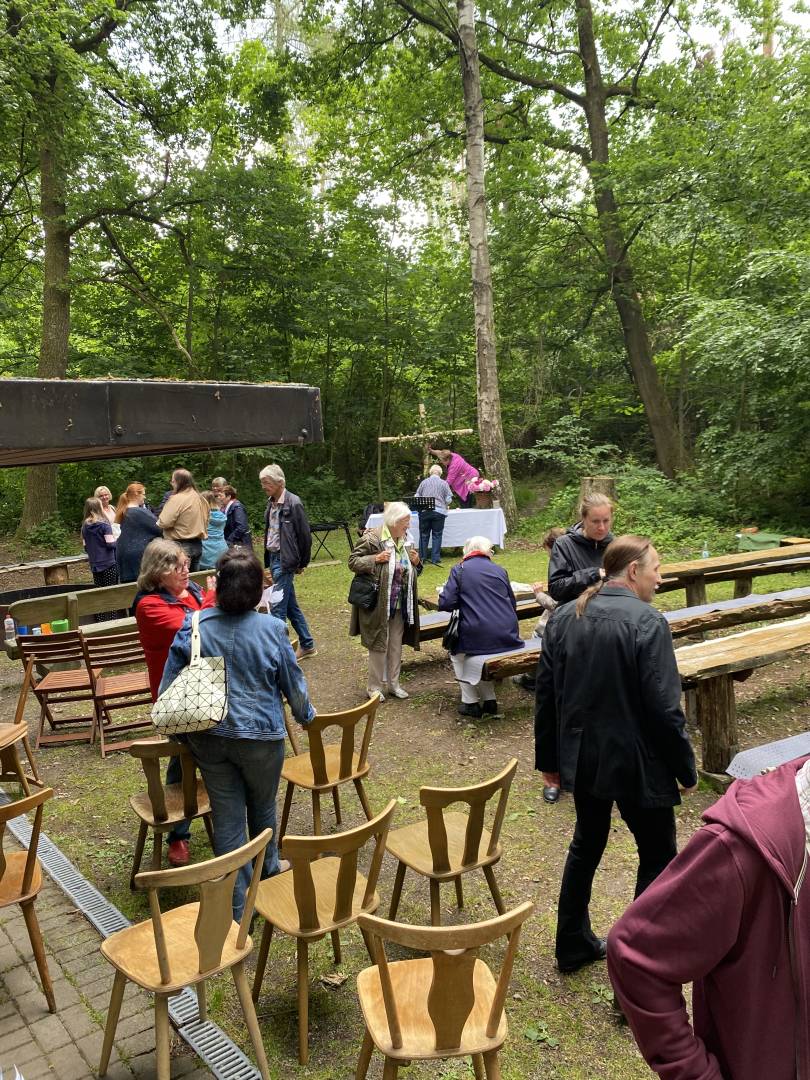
[
  {"x": 54, "y": 534},
  {"x": 567, "y": 446}
]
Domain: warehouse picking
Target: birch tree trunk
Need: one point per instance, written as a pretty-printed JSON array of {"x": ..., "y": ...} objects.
[{"x": 493, "y": 445}]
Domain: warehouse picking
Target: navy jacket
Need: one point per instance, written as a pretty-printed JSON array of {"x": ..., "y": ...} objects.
[
  {"x": 574, "y": 564},
  {"x": 138, "y": 529},
  {"x": 237, "y": 526},
  {"x": 294, "y": 533},
  {"x": 488, "y": 620}
]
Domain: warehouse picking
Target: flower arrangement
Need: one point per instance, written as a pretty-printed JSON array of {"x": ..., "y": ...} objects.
[{"x": 483, "y": 484}]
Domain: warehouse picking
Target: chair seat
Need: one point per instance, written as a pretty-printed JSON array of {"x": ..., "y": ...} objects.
[
  {"x": 134, "y": 953},
  {"x": 298, "y": 769},
  {"x": 275, "y": 900},
  {"x": 412, "y": 981},
  {"x": 11, "y": 733},
  {"x": 411, "y": 846},
  {"x": 62, "y": 681},
  {"x": 174, "y": 804},
  {"x": 132, "y": 682},
  {"x": 11, "y": 881}
]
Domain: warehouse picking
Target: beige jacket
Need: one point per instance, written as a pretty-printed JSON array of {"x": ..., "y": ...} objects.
[
  {"x": 372, "y": 626},
  {"x": 185, "y": 516}
]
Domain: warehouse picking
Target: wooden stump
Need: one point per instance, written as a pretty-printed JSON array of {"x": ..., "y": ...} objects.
[
  {"x": 56, "y": 575},
  {"x": 604, "y": 484},
  {"x": 717, "y": 716}
]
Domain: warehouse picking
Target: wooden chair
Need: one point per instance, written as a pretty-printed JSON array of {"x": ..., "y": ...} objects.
[
  {"x": 326, "y": 766},
  {"x": 161, "y": 806},
  {"x": 446, "y": 1005},
  {"x": 125, "y": 690},
  {"x": 448, "y": 845},
  {"x": 187, "y": 945},
  {"x": 320, "y": 895},
  {"x": 56, "y": 671},
  {"x": 11, "y": 735},
  {"x": 21, "y": 880}
]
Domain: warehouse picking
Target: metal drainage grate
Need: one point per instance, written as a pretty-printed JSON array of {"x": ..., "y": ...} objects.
[{"x": 222, "y": 1056}]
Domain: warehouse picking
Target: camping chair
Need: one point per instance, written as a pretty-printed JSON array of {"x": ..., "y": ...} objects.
[
  {"x": 326, "y": 766},
  {"x": 320, "y": 895},
  {"x": 445, "y": 1005},
  {"x": 447, "y": 845},
  {"x": 160, "y": 807},
  {"x": 55, "y": 670},
  {"x": 21, "y": 880},
  {"x": 187, "y": 945},
  {"x": 126, "y": 690}
]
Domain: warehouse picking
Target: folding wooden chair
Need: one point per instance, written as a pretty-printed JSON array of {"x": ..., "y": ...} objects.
[
  {"x": 446, "y": 1005},
  {"x": 11, "y": 735},
  {"x": 320, "y": 895},
  {"x": 187, "y": 945},
  {"x": 55, "y": 670},
  {"x": 447, "y": 845},
  {"x": 111, "y": 693},
  {"x": 326, "y": 766},
  {"x": 21, "y": 880}
]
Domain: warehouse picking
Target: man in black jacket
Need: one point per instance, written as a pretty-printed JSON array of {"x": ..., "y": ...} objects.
[
  {"x": 608, "y": 719},
  {"x": 287, "y": 550}
]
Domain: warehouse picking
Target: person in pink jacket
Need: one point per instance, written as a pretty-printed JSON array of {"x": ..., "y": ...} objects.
[{"x": 730, "y": 914}]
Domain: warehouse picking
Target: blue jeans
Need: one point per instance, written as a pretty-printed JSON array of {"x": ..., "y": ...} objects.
[
  {"x": 174, "y": 775},
  {"x": 241, "y": 776},
  {"x": 288, "y": 607},
  {"x": 431, "y": 527}
]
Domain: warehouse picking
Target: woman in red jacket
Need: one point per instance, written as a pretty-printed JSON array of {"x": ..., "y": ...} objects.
[{"x": 164, "y": 595}]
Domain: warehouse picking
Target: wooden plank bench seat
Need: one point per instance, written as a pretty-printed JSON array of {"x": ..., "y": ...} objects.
[
  {"x": 55, "y": 571},
  {"x": 434, "y": 624},
  {"x": 741, "y": 568}
]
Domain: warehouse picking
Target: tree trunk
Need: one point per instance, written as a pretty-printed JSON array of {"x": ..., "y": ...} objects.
[
  {"x": 40, "y": 480},
  {"x": 669, "y": 448},
  {"x": 493, "y": 444}
]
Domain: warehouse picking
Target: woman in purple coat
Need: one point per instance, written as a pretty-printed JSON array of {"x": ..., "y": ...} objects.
[{"x": 488, "y": 621}]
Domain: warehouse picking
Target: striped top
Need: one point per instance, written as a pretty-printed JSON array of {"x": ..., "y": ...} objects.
[{"x": 433, "y": 487}]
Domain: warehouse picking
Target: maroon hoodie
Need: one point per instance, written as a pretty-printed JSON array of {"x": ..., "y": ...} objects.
[{"x": 732, "y": 915}]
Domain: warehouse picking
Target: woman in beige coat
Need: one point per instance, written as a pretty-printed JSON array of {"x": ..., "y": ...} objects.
[{"x": 395, "y": 565}]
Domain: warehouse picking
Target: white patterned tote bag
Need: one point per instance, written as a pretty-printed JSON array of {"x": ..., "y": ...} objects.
[{"x": 197, "y": 700}]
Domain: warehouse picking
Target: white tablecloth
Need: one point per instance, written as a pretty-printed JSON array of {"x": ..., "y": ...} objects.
[{"x": 460, "y": 526}]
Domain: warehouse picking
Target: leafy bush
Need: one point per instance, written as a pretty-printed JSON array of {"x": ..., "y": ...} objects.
[
  {"x": 567, "y": 448},
  {"x": 53, "y": 533}
]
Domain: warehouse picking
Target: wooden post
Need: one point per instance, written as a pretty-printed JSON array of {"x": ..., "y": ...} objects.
[
  {"x": 604, "y": 484},
  {"x": 695, "y": 591},
  {"x": 56, "y": 575},
  {"x": 72, "y": 612},
  {"x": 717, "y": 716},
  {"x": 743, "y": 586}
]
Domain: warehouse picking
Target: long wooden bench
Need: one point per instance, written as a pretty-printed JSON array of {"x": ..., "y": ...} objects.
[
  {"x": 55, "y": 571},
  {"x": 434, "y": 624},
  {"x": 741, "y": 568}
]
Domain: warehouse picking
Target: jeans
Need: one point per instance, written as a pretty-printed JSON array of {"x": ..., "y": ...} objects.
[
  {"x": 242, "y": 777},
  {"x": 288, "y": 608},
  {"x": 174, "y": 775},
  {"x": 654, "y": 831},
  {"x": 192, "y": 548},
  {"x": 431, "y": 523}
]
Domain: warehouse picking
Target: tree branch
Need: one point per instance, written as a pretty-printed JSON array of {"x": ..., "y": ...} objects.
[{"x": 105, "y": 30}]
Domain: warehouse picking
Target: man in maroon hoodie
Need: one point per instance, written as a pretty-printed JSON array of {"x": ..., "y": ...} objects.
[{"x": 730, "y": 914}]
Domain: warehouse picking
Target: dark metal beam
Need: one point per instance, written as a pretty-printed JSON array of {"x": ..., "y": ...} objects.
[{"x": 58, "y": 420}]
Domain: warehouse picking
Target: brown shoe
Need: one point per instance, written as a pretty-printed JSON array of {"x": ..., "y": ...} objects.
[{"x": 303, "y": 654}]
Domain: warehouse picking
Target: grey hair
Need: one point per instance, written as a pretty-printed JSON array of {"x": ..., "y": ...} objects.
[
  {"x": 435, "y": 470},
  {"x": 218, "y": 481},
  {"x": 396, "y": 511},
  {"x": 159, "y": 556},
  {"x": 273, "y": 472},
  {"x": 478, "y": 543}
]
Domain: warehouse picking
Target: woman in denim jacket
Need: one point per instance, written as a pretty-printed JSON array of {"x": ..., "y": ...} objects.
[{"x": 241, "y": 758}]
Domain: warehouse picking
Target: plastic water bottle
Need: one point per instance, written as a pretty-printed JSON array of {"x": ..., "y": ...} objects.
[
  {"x": 9, "y": 630},
  {"x": 705, "y": 553}
]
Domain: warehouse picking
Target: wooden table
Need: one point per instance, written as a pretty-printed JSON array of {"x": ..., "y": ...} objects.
[
  {"x": 740, "y": 568},
  {"x": 55, "y": 571}
]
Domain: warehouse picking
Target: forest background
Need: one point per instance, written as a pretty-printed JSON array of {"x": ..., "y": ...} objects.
[{"x": 237, "y": 191}]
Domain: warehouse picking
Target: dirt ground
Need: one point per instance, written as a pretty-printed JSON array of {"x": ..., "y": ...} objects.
[{"x": 560, "y": 1026}]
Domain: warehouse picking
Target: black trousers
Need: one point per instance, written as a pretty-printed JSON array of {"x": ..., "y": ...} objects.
[
  {"x": 192, "y": 548},
  {"x": 654, "y": 833}
]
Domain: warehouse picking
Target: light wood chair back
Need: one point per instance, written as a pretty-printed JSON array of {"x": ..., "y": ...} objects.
[
  {"x": 216, "y": 879},
  {"x": 453, "y": 951},
  {"x": 150, "y": 753},
  {"x": 436, "y": 800},
  {"x": 303, "y": 851},
  {"x": 8, "y": 813},
  {"x": 348, "y": 721}
]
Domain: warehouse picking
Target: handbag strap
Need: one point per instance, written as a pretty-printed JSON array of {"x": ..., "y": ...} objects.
[{"x": 195, "y": 639}]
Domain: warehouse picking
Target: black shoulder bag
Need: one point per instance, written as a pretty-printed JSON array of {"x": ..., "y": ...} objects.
[{"x": 450, "y": 636}]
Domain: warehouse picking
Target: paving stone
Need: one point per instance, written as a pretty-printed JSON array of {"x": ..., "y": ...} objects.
[
  {"x": 10, "y": 1019},
  {"x": 65, "y": 994},
  {"x": 19, "y": 981},
  {"x": 119, "y": 1071},
  {"x": 70, "y": 1065},
  {"x": 142, "y": 1020},
  {"x": 9, "y": 957},
  {"x": 11, "y": 1039},
  {"x": 29, "y": 1051},
  {"x": 78, "y": 1021},
  {"x": 50, "y": 1033},
  {"x": 133, "y": 1045},
  {"x": 33, "y": 1006}
]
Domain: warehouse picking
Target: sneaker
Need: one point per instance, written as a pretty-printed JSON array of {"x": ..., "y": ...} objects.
[
  {"x": 178, "y": 853},
  {"x": 283, "y": 866},
  {"x": 304, "y": 654},
  {"x": 380, "y": 694},
  {"x": 398, "y": 692},
  {"x": 490, "y": 706},
  {"x": 473, "y": 710}
]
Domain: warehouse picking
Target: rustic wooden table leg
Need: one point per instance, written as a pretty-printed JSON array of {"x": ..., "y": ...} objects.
[
  {"x": 717, "y": 716},
  {"x": 695, "y": 591},
  {"x": 743, "y": 586}
]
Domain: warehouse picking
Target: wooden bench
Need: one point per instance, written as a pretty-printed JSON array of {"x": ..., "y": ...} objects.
[
  {"x": 55, "y": 571},
  {"x": 434, "y": 624},
  {"x": 740, "y": 568}
]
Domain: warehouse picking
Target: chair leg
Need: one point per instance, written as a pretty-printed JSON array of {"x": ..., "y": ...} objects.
[
  {"x": 363, "y": 1062},
  {"x": 435, "y": 904},
  {"x": 361, "y": 793},
  {"x": 390, "y": 1070},
  {"x": 336, "y": 946},
  {"x": 116, "y": 997},
  {"x": 397, "y": 893},
  {"x": 157, "y": 849},
  {"x": 140, "y": 844},
  {"x": 303, "y": 1001},
  {"x": 369, "y": 950},
  {"x": 209, "y": 828},
  {"x": 201, "y": 1006},
  {"x": 35, "y": 934},
  {"x": 285, "y": 813},
  {"x": 492, "y": 1065},
  {"x": 489, "y": 874},
  {"x": 31, "y": 761},
  {"x": 261, "y": 959},
  {"x": 478, "y": 1066},
  {"x": 162, "y": 1037},
  {"x": 459, "y": 892},
  {"x": 41, "y": 728},
  {"x": 317, "y": 828},
  {"x": 10, "y": 764},
  {"x": 243, "y": 990},
  {"x": 336, "y": 801}
]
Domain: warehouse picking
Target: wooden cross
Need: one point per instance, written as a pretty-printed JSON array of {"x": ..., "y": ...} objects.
[{"x": 423, "y": 435}]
